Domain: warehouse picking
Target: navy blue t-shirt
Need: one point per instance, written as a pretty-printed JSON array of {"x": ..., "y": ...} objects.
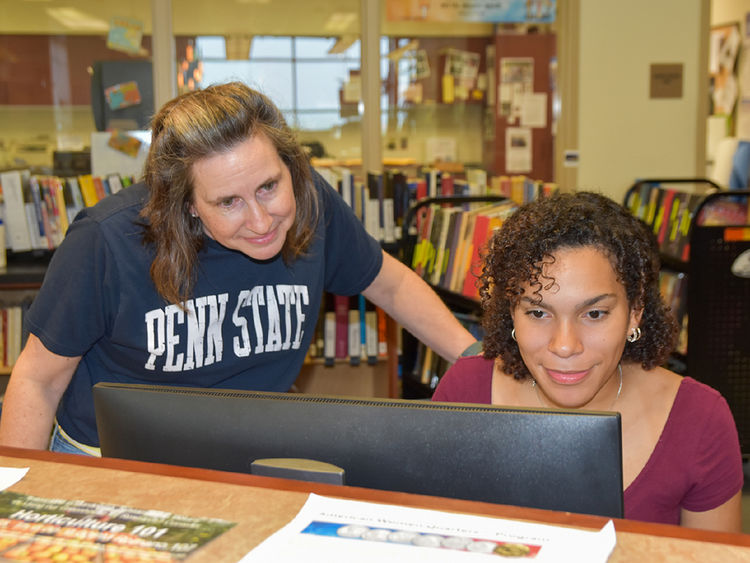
[{"x": 248, "y": 325}]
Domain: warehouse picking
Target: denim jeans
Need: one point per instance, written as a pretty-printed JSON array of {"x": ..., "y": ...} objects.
[{"x": 59, "y": 443}]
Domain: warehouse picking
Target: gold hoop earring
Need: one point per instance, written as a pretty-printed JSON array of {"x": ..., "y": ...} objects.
[{"x": 634, "y": 335}]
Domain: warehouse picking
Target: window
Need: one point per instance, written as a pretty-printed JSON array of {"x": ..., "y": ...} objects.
[{"x": 299, "y": 74}]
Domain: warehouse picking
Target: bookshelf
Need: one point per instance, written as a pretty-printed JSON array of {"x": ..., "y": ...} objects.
[
  {"x": 711, "y": 250},
  {"x": 373, "y": 198},
  {"x": 20, "y": 279},
  {"x": 420, "y": 368},
  {"x": 23, "y": 276},
  {"x": 353, "y": 351},
  {"x": 57, "y": 201}
]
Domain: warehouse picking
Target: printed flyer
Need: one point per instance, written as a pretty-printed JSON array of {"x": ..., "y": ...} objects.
[
  {"x": 44, "y": 529},
  {"x": 341, "y": 531}
]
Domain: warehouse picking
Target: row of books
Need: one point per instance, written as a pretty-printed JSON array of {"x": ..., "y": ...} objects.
[
  {"x": 450, "y": 243},
  {"x": 673, "y": 288},
  {"x": 428, "y": 367},
  {"x": 349, "y": 329},
  {"x": 671, "y": 215},
  {"x": 381, "y": 201},
  {"x": 521, "y": 189},
  {"x": 37, "y": 209},
  {"x": 477, "y": 182},
  {"x": 12, "y": 334}
]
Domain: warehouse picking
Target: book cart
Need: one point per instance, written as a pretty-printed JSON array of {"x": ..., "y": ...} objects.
[
  {"x": 706, "y": 238},
  {"x": 418, "y": 378}
]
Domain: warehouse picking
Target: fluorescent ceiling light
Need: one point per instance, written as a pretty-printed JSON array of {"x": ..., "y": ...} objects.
[
  {"x": 77, "y": 20},
  {"x": 340, "y": 21}
]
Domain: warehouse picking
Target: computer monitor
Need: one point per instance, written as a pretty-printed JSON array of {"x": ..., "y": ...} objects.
[{"x": 542, "y": 458}]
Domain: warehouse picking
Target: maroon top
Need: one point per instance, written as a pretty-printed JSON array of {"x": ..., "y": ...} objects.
[{"x": 696, "y": 464}]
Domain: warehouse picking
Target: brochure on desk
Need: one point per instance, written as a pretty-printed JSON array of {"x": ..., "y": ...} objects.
[
  {"x": 335, "y": 530},
  {"x": 45, "y": 529}
]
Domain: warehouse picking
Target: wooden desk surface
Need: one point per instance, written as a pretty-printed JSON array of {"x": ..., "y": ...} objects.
[{"x": 262, "y": 505}]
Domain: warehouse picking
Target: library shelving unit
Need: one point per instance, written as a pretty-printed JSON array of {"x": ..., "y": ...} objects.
[
  {"x": 24, "y": 271},
  {"x": 19, "y": 281},
  {"x": 717, "y": 269},
  {"x": 412, "y": 387}
]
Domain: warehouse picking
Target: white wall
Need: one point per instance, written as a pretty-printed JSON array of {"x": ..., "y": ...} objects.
[
  {"x": 623, "y": 134},
  {"x": 729, "y": 11}
]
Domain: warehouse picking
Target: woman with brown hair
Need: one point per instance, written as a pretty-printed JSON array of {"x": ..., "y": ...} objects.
[{"x": 210, "y": 273}]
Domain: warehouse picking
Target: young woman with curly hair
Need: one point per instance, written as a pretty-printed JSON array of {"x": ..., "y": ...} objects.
[{"x": 573, "y": 319}]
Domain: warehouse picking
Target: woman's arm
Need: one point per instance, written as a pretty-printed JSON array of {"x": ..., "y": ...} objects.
[
  {"x": 38, "y": 381},
  {"x": 724, "y": 518},
  {"x": 415, "y": 306}
]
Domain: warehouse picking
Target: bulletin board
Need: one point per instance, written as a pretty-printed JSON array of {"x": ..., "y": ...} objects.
[{"x": 519, "y": 138}]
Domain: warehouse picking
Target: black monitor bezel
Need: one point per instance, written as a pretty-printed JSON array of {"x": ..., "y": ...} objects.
[{"x": 423, "y": 447}]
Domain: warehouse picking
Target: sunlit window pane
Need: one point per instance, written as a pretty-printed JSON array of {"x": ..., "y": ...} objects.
[
  {"x": 318, "y": 121},
  {"x": 302, "y": 79},
  {"x": 384, "y": 46},
  {"x": 211, "y": 47},
  {"x": 353, "y": 52},
  {"x": 313, "y": 47},
  {"x": 318, "y": 84},
  {"x": 274, "y": 79},
  {"x": 264, "y": 47}
]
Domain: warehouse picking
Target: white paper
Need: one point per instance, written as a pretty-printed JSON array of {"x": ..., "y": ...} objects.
[
  {"x": 440, "y": 149},
  {"x": 11, "y": 475},
  {"x": 336, "y": 530},
  {"x": 533, "y": 110},
  {"x": 517, "y": 150}
]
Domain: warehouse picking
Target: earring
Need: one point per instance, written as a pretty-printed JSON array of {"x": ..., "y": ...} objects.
[
  {"x": 634, "y": 334},
  {"x": 513, "y": 334},
  {"x": 194, "y": 215}
]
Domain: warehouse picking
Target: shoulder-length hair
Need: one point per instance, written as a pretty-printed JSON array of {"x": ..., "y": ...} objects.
[
  {"x": 196, "y": 125},
  {"x": 531, "y": 236}
]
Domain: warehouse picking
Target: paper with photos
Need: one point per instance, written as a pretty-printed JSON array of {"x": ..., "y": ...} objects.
[{"x": 336, "y": 530}]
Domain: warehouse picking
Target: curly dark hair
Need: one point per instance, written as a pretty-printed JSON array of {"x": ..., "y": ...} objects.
[{"x": 530, "y": 237}]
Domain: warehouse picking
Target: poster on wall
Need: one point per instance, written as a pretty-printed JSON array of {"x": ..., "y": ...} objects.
[
  {"x": 533, "y": 109},
  {"x": 490, "y": 11},
  {"x": 463, "y": 67},
  {"x": 126, "y": 34},
  {"x": 517, "y": 150},
  {"x": 743, "y": 107},
  {"x": 725, "y": 43},
  {"x": 516, "y": 81}
]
